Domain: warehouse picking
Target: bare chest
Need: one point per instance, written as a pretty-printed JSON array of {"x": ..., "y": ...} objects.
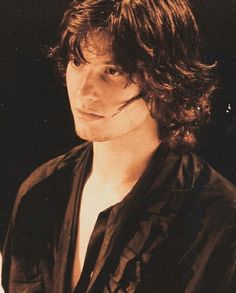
[{"x": 95, "y": 199}]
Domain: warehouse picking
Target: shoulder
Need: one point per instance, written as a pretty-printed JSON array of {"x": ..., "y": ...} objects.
[
  {"x": 53, "y": 166},
  {"x": 48, "y": 183},
  {"x": 213, "y": 190},
  {"x": 211, "y": 219},
  {"x": 193, "y": 170}
]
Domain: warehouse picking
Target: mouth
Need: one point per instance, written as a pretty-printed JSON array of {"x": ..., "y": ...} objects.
[{"x": 88, "y": 116}]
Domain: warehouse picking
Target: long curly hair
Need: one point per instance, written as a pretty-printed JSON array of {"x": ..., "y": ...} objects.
[{"x": 158, "y": 40}]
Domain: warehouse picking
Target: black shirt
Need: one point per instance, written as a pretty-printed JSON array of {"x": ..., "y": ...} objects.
[{"x": 174, "y": 232}]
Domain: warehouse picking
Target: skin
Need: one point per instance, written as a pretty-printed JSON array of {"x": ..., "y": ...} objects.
[
  {"x": 124, "y": 137},
  {"x": 97, "y": 90}
]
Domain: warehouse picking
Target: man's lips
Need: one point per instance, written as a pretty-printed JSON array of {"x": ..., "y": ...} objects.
[{"x": 88, "y": 115}]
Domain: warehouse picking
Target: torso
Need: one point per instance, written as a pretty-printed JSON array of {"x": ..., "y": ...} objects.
[{"x": 96, "y": 197}]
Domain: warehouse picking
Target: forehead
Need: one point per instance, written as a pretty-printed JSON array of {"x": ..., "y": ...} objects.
[{"x": 96, "y": 47}]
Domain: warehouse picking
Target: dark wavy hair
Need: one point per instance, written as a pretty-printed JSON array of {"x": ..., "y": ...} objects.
[{"x": 158, "y": 40}]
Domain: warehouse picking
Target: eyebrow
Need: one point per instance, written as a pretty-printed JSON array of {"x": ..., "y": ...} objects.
[{"x": 109, "y": 62}]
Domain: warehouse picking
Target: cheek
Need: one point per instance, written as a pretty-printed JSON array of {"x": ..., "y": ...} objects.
[
  {"x": 118, "y": 95},
  {"x": 71, "y": 84},
  {"x": 139, "y": 115},
  {"x": 131, "y": 91},
  {"x": 70, "y": 81}
]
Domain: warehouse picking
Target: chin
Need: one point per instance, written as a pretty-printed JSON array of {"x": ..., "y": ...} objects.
[{"x": 92, "y": 137}]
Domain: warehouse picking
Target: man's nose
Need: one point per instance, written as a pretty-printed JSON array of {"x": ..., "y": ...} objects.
[{"x": 86, "y": 86}]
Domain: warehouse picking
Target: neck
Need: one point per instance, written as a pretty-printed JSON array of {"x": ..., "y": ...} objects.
[{"x": 122, "y": 161}]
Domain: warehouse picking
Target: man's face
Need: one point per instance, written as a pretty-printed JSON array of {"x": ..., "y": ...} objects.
[{"x": 98, "y": 90}]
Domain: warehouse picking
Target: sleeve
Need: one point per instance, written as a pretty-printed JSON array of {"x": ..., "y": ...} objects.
[
  {"x": 34, "y": 179},
  {"x": 229, "y": 282},
  {"x": 6, "y": 252}
]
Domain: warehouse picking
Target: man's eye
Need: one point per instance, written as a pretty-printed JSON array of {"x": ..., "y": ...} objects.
[
  {"x": 113, "y": 71},
  {"x": 76, "y": 62}
]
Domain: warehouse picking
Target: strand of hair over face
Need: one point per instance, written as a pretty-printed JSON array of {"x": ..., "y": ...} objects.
[{"x": 156, "y": 41}]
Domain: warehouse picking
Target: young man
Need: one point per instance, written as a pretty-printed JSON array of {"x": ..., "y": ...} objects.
[{"x": 132, "y": 210}]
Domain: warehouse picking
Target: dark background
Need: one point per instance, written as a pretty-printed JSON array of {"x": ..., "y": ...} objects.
[{"x": 35, "y": 120}]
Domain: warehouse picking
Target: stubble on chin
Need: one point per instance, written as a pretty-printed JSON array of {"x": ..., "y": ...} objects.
[{"x": 91, "y": 137}]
